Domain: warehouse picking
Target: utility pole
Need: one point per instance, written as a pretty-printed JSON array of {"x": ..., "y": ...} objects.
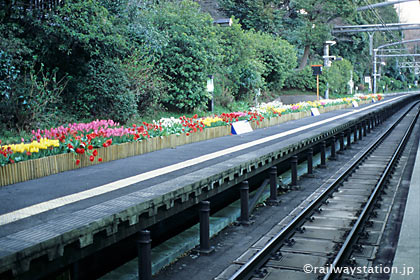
[{"x": 327, "y": 62}]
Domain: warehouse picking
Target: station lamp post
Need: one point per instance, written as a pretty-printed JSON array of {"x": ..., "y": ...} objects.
[
  {"x": 223, "y": 22},
  {"x": 327, "y": 60}
]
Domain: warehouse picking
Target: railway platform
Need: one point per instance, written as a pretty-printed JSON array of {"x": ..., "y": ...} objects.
[
  {"x": 55, "y": 221},
  {"x": 407, "y": 256}
]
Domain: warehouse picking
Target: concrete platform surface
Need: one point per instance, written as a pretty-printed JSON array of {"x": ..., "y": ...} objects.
[
  {"x": 407, "y": 257},
  {"x": 113, "y": 200}
]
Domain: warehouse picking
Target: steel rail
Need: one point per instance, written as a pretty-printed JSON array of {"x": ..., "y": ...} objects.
[
  {"x": 351, "y": 238},
  {"x": 246, "y": 270}
]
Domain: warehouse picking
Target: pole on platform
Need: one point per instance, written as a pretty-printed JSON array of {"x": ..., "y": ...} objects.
[
  {"x": 333, "y": 153},
  {"x": 365, "y": 127},
  {"x": 317, "y": 87},
  {"x": 323, "y": 152},
  {"x": 144, "y": 250},
  {"x": 310, "y": 154},
  {"x": 273, "y": 186},
  {"x": 205, "y": 247},
  {"x": 244, "y": 204},
  {"x": 348, "y": 139},
  {"x": 293, "y": 163},
  {"x": 341, "y": 142},
  {"x": 355, "y": 135}
]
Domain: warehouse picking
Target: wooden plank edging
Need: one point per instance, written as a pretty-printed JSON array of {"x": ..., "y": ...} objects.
[{"x": 37, "y": 168}]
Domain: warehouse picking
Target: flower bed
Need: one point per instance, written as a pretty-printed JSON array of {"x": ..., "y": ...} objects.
[{"x": 78, "y": 145}]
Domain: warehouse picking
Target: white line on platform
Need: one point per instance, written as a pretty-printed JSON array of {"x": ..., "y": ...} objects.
[{"x": 116, "y": 185}]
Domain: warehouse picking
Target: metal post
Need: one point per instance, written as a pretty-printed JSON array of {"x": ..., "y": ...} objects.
[
  {"x": 355, "y": 134},
  {"x": 326, "y": 64},
  {"x": 371, "y": 42},
  {"x": 360, "y": 131},
  {"x": 245, "y": 203},
  {"x": 333, "y": 154},
  {"x": 144, "y": 250},
  {"x": 75, "y": 271},
  {"x": 348, "y": 139},
  {"x": 205, "y": 248},
  {"x": 310, "y": 162},
  {"x": 323, "y": 148},
  {"x": 273, "y": 186},
  {"x": 365, "y": 126},
  {"x": 374, "y": 70},
  {"x": 341, "y": 142},
  {"x": 369, "y": 125},
  {"x": 293, "y": 163}
]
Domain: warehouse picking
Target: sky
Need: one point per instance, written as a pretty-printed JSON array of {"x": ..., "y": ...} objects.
[{"x": 409, "y": 11}]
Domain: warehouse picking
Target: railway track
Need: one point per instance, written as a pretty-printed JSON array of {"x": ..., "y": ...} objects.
[{"x": 336, "y": 234}]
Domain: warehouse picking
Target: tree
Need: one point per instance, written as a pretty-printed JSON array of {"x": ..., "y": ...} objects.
[
  {"x": 314, "y": 22},
  {"x": 187, "y": 56}
]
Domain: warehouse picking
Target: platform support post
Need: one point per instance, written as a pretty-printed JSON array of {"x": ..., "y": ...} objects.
[
  {"x": 205, "y": 247},
  {"x": 273, "y": 186},
  {"x": 333, "y": 153},
  {"x": 75, "y": 271},
  {"x": 355, "y": 134},
  {"x": 323, "y": 152},
  {"x": 293, "y": 165},
  {"x": 144, "y": 250},
  {"x": 348, "y": 139},
  {"x": 360, "y": 131},
  {"x": 310, "y": 154},
  {"x": 341, "y": 143},
  {"x": 365, "y": 125},
  {"x": 244, "y": 203},
  {"x": 369, "y": 125}
]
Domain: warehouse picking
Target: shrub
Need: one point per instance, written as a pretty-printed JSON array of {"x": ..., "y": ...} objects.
[
  {"x": 239, "y": 70},
  {"x": 278, "y": 56},
  {"x": 29, "y": 98},
  {"x": 145, "y": 82},
  {"x": 303, "y": 80},
  {"x": 338, "y": 76},
  {"x": 190, "y": 54},
  {"x": 106, "y": 92}
]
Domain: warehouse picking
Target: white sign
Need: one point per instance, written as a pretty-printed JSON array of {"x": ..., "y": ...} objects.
[
  {"x": 210, "y": 85},
  {"x": 241, "y": 127},
  {"x": 367, "y": 79},
  {"x": 355, "y": 104},
  {"x": 315, "y": 112}
]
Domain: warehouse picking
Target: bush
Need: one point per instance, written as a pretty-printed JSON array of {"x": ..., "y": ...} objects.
[
  {"x": 190, "y": 54},
  {"x": 239, "y": 72},
  {"x": 303, "y": 80},
  {"x": 29, "y": 98},
  {"x": 105, "y": 92},
  {"x": 338, "y": 76},
  {"x": 279, "y": 59},
  {"x": 145, "y": 82}
]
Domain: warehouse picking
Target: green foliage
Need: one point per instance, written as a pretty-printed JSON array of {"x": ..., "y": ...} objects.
[
  {"x": 260, "y": 15},
  {"x": 278, "y": 57},
  {"x": 29, "y": 98},
  {"x": 239, "y": 71},
  {"x": 145, "y": 82},
  {"x": 303, "y": 80},
  {"x": 106, "y": 91},
  {"x": 190, "y": 54},
  {"x": 338, "y": 76}
]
